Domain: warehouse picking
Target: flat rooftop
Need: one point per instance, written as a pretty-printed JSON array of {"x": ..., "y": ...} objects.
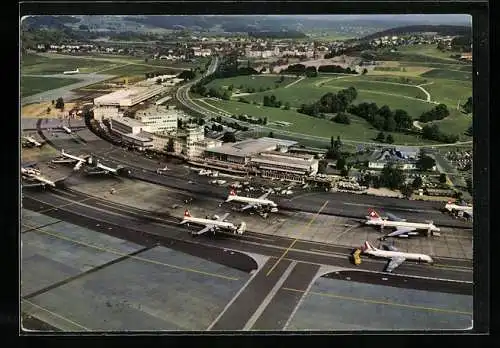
[
  {"x": 127, "y": 121},
  {"x": 250, "y": 147},
  {"x": 128, "y": 93}
]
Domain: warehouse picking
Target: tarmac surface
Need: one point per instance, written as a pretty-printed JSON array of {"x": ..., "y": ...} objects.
[
  {"x": 77, "y": 279},
  {"x": 343, "y": 305},
  {"x": 163, "y": 227}
]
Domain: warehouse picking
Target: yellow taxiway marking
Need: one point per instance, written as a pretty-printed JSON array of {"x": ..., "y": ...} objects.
[
  {"x": 358, "y": 299},
  {"x": 55, "y": 314},
  {"x": 296, "y": 239},
  {"x": 119, "y": 253}
]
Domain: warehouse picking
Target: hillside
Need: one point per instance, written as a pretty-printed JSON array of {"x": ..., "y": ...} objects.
[{"x": 452, "y": 30}]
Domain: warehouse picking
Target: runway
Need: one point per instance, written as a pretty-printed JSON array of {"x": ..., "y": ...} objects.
[{"x": 87, "y": 210}]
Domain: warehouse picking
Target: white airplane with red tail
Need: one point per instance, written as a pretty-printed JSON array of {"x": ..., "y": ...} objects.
[
  {"x": 404, "y": 229},
  {"x": 254, "y": 203},
  {"x": 396, "y": 258},
  {"x": 213, "y": 225}
]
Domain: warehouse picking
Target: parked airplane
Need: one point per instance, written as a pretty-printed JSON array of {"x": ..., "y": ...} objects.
[
  {"x": 404, "y": 229},
  {"x": 459, "y": 207},
  {"x": 396, "y": 258},
  {"x": 72, "y": 72},
  {"x": 162, "y": 170},
  {"x": 32, "y": 141},
  {"x": 104, "y": 169},
  {"x": 254, "y": 203},
  {"x": 68, "y": 158},
  {"x": 213, "y": 225},
  {"x": 34, "y": 174}
]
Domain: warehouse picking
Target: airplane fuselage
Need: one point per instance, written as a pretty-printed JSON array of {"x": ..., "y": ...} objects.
[
  {"x": 387, "y": 223},
  {"x": 387, "y": 254},
  {"x": 108, "y": 169},
  {"x": 250, "y": 200},
  {"x": 464, "y": 208},
  {"x": 200, "y": 221}
]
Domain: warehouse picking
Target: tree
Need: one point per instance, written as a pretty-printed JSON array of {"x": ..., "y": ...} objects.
[
  {"x": 341, "y": 162},
  {"x": 60, "y": 103},
  {"x": 364, "y": 71},
  {"x": 417, "y": 183},
  {"x": 53, "y": 101},
  {"x": 170, "y": 145},
  {"x": 392, "y": 177},
  {"x": 287, "y": 106},
  {"x": 380, "y": 137},
  {"x": 158, "y": 81},
  {"x": 271, "y": 135},
  {"x": 424, "y": 162},
  {"x": 48, "y": 110},
  {"x": 344, "y": 172},
  {"x": 337, "y": 144},
  {"x": 407, "y": 190},
  {"x": 179, "y": 123},
  {"x": 442, "y": 178},
  {"x": 228, "y": 137},
  {"x": 467, "y": 107},
  {"x": 389, "y": 139},
  {"x": 342, "y": 117},
  {"x": 403, "y": 120}
]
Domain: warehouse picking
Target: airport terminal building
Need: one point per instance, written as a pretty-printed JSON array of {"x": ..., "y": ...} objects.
[{"x": 267, "y": 157}]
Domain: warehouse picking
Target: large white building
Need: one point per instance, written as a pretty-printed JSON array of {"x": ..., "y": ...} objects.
[
  {"x": 126, "y": 125},
  {"x": 158, "y": 119},
  {"x": 128, "y": 97}
]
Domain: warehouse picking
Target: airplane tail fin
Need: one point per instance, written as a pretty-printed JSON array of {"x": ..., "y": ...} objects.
[
  {"x": 367, "y": 246},
  {"x": 373, "y": 214},
  {"x": 232, "y": 193},
  {"x": 187, "y": 213}
]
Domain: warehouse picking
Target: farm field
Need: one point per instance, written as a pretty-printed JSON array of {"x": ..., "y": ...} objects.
[
  {"x": 428, "y": 51},
  {"x": 39, "y": 65},
  {"x": 33, "y": 85},
  {"x": 255, "y": 82},
  {"x": 358, "y": 130},
  {"x": 449, "y": 74},
  {"x": 450, "y": 93}
]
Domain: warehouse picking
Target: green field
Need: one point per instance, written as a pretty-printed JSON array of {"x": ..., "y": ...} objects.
[
  {"x": 456, "y": 123},
  {"x": 450, "y": 92},
  {"x": 369, "y": 90},
  {"x": 39, "y": 65},
  {"x": 134, "y": 70},
  {"x": 358, "y": 130},
  {"x": 427, "y": 51},
  {"x": 34, "y": 85},
  {"x": 256, "y": 82},
  {"x": 449, "y": 74}
]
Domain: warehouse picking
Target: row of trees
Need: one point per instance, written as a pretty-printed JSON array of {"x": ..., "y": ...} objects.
[
  {"x": 262, "y": 121},
  {"x": 389, "y": 139},
  {"x": 187, "y": 75},
  {"x": 271, "y": 101},
  {"x": 330, "y": 103},
  {"x": 432, "y": 132},
  {"x": 436, "y": 113},
  {"x": 382, "y": 118},
  {"x": 337, "y": 69}
]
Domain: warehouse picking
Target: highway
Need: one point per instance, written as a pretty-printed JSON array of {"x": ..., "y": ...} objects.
[{"x": 75, "y": 208}]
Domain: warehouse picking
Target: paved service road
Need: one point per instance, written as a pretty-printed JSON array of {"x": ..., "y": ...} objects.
[{"x": 247, "y": 302}]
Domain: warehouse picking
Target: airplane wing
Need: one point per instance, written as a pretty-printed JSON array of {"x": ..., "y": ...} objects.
[
  {"x": 394, "y": 263},
  {"x": 264, "y": 196},
  {"x": 78, "y": 165},
  {"x": 223, "y": 217},
  {"x": 400, "y": 232},
  {"x": 394, "y": 217},
  {"x": 248, "y": 206},
  {"x": 204, "y": 230}
]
